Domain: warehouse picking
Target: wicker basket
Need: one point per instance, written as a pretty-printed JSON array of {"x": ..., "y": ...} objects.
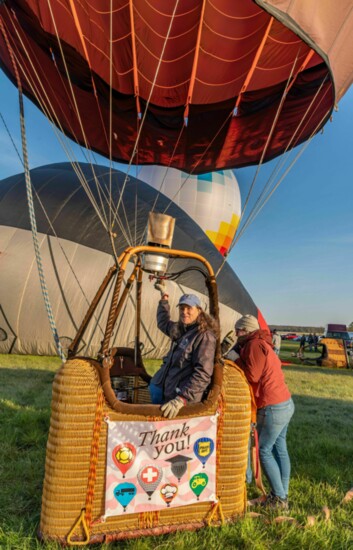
[{"x": 74, "y": 485}]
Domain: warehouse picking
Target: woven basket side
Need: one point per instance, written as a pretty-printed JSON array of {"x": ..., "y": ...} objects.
[
  {"x": 74, "y": 398},
  {"x": 68, "y": 454}
]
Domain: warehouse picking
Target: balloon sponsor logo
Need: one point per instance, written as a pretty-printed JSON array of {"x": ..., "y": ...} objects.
[
  {"x": 149, "y": 478},
  {"x": 124, "y": 456},
  {"x": 203, "y": 449},
  {"x": 168, "y": 492},
  {"x": 157, "y": 465},
  {"x": 124, "y": 493},
  {"x": 198, "y": 483}
]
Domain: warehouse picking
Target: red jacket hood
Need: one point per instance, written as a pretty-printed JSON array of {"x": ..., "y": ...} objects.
[{"x": 256, "y": 335}]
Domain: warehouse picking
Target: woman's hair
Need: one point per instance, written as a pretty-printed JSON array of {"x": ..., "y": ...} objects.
[{"x": 207, "y": 322}]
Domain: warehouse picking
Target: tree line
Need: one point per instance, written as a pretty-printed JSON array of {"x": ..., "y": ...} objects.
[{"x": 296, "y": 329}]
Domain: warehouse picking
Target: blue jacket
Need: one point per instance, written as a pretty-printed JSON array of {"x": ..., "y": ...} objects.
[{"x": 188, "y": 367}]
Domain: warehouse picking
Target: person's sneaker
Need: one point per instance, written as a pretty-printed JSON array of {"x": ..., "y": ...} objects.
[{"x": 274, "y": 502}]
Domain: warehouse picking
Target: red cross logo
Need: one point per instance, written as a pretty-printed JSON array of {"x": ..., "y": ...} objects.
[{"x": 149, "y": 474}]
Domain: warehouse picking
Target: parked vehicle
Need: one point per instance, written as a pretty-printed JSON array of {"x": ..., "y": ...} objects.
[
  {"x": 338, "y": 332},
  {"x": 289, "y": 336},
  {"x": 297, "y": 339}
]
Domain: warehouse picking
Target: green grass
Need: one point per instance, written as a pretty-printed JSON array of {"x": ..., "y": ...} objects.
[{"x": 319, "y": 439}]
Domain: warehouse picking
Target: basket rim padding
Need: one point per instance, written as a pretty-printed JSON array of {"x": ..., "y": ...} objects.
[{"x": 154, "y": 410}]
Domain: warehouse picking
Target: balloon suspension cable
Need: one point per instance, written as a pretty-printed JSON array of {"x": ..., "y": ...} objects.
[
  {"x": 299, "y": 154},
  {"x": 110, "y": 201},
  {"x": 81, "y": 36},
  {"x": 65, "y": 256},
  {"x": 143, "y": 236},
  {"x": 288, "y": 169},
  {"x": 135, "y": 218},
  {"x": 45, "y": 109},
  {"x": 75, "y": 105},
  {"x": 100, "y": 191},
  {"x": 230, "y": 115},
  {"x": 110, "y": 117},
  {"x": 11, "y": 138},
  {"x": 31, "y": 210},
  {"x": 198, "y": 162},
  {"x": 147, "y": 104},
  {"x": 50, "y": 223},
  {"x": 66, "y": 148},
  {"x": 259, "y": 205},
  {"x": 113, "y": 215},
  {"x": 269, "y": 137}
]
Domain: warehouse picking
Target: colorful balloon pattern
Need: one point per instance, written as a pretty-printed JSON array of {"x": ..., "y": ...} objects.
[
  {"x": 217, "y": 192},
  {"x": 124, "y": 493},
  {"x": 149, "y": 477},
  {"x": 198, "y": 482},
  {"x": 203, "y": 448},
  {"x": 124, "y": 456}
]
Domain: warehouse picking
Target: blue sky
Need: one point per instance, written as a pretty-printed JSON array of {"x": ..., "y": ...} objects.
[{"x": 296, "y": 258}]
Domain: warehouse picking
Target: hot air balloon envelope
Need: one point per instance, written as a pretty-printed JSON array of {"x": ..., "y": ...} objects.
[{"x": 211, "y": 80}]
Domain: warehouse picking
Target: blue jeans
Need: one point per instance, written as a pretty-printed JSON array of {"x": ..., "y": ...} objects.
[{"x": 272, "y": 426}]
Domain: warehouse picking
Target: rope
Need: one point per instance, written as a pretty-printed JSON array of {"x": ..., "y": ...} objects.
[
  {"x": 85, "y": 517},
  {"x": 51, "y": 225},
  {"x": 31, "y": 210},
  {"x": 92, "y": 475}
]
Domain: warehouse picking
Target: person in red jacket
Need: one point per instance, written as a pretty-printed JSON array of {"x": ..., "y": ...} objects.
[{"x": 254, "y": 353}]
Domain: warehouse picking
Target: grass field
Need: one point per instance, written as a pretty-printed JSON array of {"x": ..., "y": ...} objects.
[{"x": 320, "y": 443}]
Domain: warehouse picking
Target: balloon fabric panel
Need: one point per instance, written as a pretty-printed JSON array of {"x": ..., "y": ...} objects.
[{"x": 229, "y": 40}]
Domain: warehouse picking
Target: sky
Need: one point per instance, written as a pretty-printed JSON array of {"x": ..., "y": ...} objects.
[{"x": 296, "y": 258}]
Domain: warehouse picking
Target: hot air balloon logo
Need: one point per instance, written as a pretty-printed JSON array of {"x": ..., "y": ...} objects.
[
  {"x": 179, "y": 465},
  {"x": 168, "y": 492},
  {"x": 203, "y": 448},
  {"x": 124, "y": 493},
  {"x": 198, "y": 483},
  {"x": 149, "y": 477},
  {"x": 124, "y": 456}
]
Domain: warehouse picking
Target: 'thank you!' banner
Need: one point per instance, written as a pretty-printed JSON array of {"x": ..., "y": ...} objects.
[{"x": 154, "y": 465}]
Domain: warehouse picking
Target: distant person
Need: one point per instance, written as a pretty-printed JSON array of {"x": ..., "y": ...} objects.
[
  {"x": 275, "y": 408},
  {"x": 276, "y": 341},
  {"x": 187, "y": 369},
  {"x": 301, "y": 346},
  {"x": 310, "y": 341},
  {"x": 316, "y": 341}
]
